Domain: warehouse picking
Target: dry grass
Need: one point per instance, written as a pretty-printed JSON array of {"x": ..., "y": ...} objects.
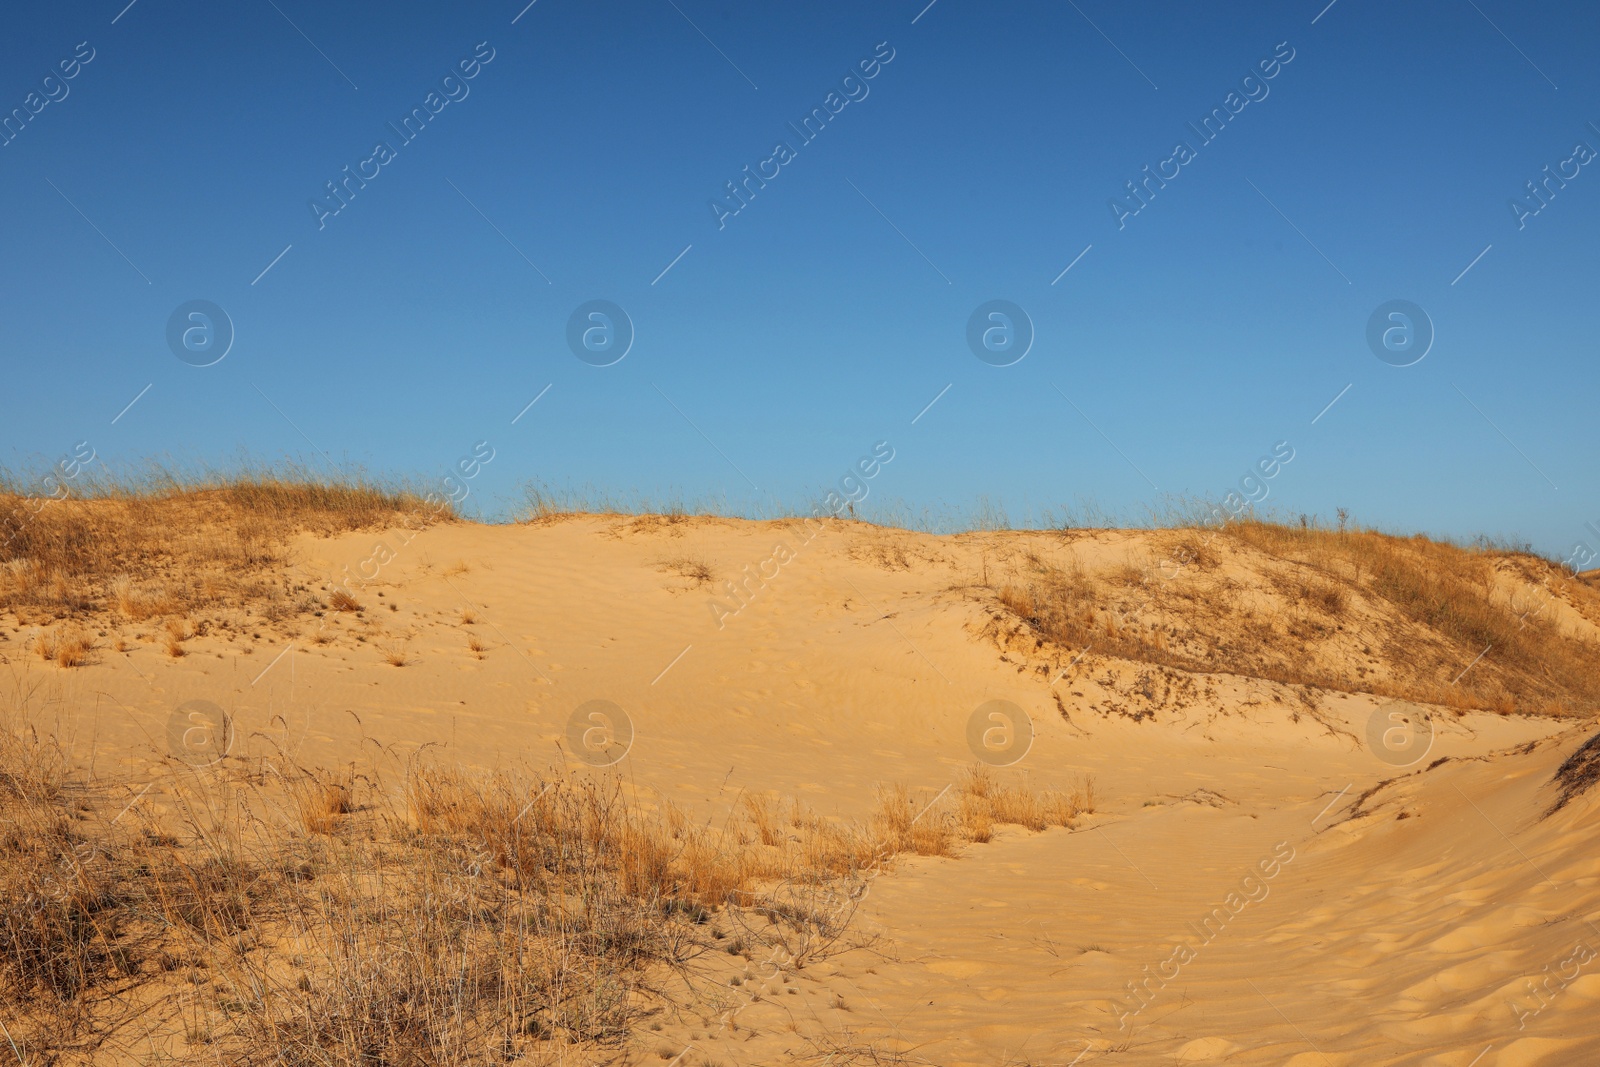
[
  {"x": 985, "y": 801},
  {"x": 339, "y": 600},
  {"x": 1072, "y": 609},
  {"x": 1350, "y": 610},
  {"x": 762, "y": 811},
  {"x": 63, "y": 900},
  {"x": 691, "y": 569},
  {"x": 1447, "y": 590},
  {"x": 65, "y": 646},
  {"x": 1577, "y": 774},
  {"x": 460, "y": 920},
  {"x": 177, "y": 631},
  {"x": 164, "y": 545},
  {"x": 319, "y": 802}
]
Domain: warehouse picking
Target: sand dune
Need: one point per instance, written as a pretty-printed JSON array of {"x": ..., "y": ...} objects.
[{"x": 1258, "y": 883}]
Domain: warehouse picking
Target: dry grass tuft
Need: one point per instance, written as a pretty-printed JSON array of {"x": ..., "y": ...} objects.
[
  {"x": 320, "y": 802},
  {"x": 339, "y": 600},
  {"x": 64, "y": 646},
  {"x": 762, "y": 812},
  {"x": 902, "y": 825},
  {"x": 984, "y": 802},
  {"x": 694, "y": 570}
]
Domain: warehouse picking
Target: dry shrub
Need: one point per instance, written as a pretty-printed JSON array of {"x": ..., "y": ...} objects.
[
  {"x": 1332, "y": 600},
  {"x": 59, "y": 896},
  {"x": 66, "y": 901}
]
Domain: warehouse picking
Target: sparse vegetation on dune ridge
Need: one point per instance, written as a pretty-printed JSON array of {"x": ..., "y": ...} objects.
[
  {"x": 1296, "y": 603},
  {"x": 288, "y": 916},
  {"x": 163, "y": 545},
  {"x": 1348, "y": 610}
]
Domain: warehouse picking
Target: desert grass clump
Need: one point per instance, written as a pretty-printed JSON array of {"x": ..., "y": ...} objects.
[
  {"x": 762, "y": 812},
  {"x": 901, "y": 824},
  {"x": 976, "y": 816},
  {"x": 341, "y": 600},
  {"x": 985, "y": 801},
  {"x": 64, "y": 646},
  {"x": 689, "y": 568},
  {"x": 137, "y": 604},
  {"x": 1058, "y": 808},
  {"x": 319, "y": 802},
  {"x": 178, "y": 632},
  {"x": 1071, "y": 609}
]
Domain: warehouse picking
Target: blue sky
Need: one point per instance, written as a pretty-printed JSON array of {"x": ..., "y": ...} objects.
[{"x": 582, "y": 159}]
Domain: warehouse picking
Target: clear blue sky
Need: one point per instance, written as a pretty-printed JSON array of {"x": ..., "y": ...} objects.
[{"x": 824, "y": 316}]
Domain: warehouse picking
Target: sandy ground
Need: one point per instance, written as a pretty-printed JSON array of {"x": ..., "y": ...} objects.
[{"x": 1241, "y": 896}]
